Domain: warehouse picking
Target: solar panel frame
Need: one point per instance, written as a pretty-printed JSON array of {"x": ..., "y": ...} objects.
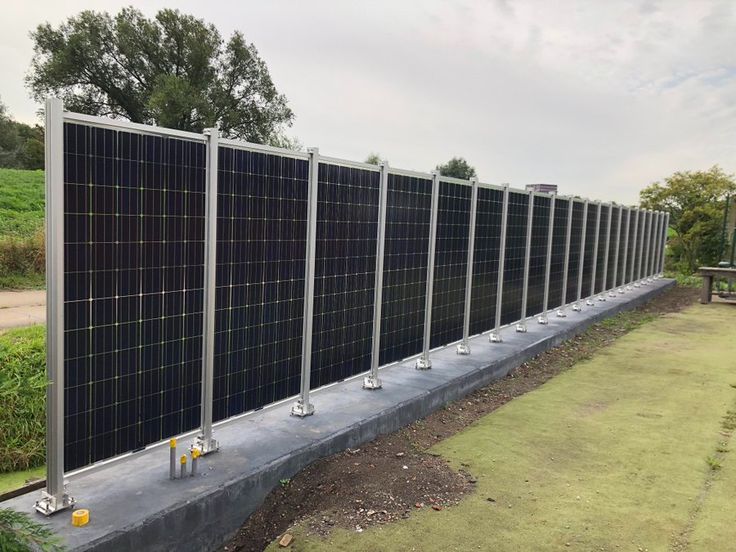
[
  {"x": 538, "y": 254},
  {"x": 557, "y": 260},
  {"x": 515, "y": 246},
  {"x": 589, "y": 250},
  {"x": 603, "y": 230},
  {"x": 576, "y": 237}
]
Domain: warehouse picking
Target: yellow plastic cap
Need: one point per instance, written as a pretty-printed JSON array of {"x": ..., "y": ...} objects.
[
  {"x": 80, "y": 518},
  {"x": 183, "y": 459},
  {"x": 195, "y": 453},
  {"x": 172, "y": 443}
]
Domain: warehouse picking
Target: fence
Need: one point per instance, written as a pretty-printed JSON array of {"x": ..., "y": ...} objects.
[{"x": 192, "y": 279}]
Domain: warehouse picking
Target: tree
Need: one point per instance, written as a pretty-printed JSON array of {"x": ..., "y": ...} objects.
[
  {"x": 695, "y": 202},
  {"x": 21, "y": 145},
  {"x": 173, "y": 70},
  {"x": 374, "y": 159},
  {"x": 457, "y": 167},
  {"x": 18, "y": 532}
]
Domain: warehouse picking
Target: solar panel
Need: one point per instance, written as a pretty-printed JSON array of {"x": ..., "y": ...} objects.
[
  {"x": 453, "y": 228},
  {"x": 643, "y": 229},
  {"x": 408, "y": 213},
  {"x": 513, "y": 273},
  {"x": 485, "y": 259},
  {"x": 259, "y": 297},
  {"x": 589, "y": 250},
  {"x": 622, "y": 248},
  {"x": 576, "y": 236},
  {"x": 347, "y": 226},
  {"x": 613, "y": 246},
  {"x": 600, "y": 275},
  {"x": 538, "y": 255},
  {"x": 557, "y": 262},
  {"x": 134, "y": 256}
]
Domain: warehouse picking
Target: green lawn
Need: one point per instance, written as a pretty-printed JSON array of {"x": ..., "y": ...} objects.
[
  {"x": 630, "y": 450},
  {"x": 21, "y": 202}
]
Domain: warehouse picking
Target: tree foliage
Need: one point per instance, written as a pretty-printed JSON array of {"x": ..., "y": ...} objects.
[
  {"x": 457, "y": 167},
  {"x": 173, "y": 70},
  {"x": 374, "y": 159},
  {"x": 695, "y": 202},
  {"x": 19, "y": 533},
  {"x": 21, "y": 145}
]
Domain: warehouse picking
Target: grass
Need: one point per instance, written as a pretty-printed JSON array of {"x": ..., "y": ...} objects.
[
  {"x": 615, "y": 454},
  {"x": 14, "y": 480},
  {"x": 22, "y": 254},
  {"x": 23, "y": 397},
  {"x": 21, "y": 202}
]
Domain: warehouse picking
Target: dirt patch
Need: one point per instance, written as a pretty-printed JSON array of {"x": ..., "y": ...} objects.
[{"x": 393, "y": 475}]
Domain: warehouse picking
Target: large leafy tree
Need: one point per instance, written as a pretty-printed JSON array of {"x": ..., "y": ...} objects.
[
  {"x": 457, "y": 167},
  {"x": 21, "y": 145},
  {"x": 695, "y": 202},
  {"x": 173, "y": 70}
]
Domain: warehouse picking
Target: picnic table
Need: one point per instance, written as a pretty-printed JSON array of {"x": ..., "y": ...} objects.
[{"x": 708, "y": 273}]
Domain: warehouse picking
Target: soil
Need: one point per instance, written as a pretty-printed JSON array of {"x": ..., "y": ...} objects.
[{"x": 393, "y": 475}]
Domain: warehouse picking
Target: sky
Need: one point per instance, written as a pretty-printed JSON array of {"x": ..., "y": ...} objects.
[{"x": 600, "y": 98}]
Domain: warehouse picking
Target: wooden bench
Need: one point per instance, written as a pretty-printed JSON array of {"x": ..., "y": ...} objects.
[{"x": 708, "y": 273}]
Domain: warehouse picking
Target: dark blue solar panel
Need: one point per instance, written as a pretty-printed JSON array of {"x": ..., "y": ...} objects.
[
  {"x": 451, "y": 257},
  {"x": 134, "y": 268},
  {"x": 259, "y": 297},
  {"x": 600, "y": 274},
  {"x": 588, "y": 259},
  {"x": 513, "y": 273},
  {"x": 408, "y": 214},
  {"x": 613, "y": 246},
  {"x": 557, "y": 263},
  {"x": 485, "y": 260},
  {"x": 347, "y": 225},
  {"x": 576, "y": 236},
  {"x": 622, "y": 248},
  {"x": 538, "y": 255}
]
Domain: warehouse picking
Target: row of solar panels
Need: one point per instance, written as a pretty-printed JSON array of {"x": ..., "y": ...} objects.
[{"x": 134, "y": 265}]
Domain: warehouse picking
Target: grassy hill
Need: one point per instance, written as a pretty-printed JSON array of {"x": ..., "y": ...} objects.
[{"x": 21, "y": 229}]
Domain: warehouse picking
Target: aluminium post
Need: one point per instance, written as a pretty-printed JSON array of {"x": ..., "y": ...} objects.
[
  {"x": 561, "y": 310},
  {"x": 612, "y": 290},
  {"x": 423, "y": 362},
  {"x": 577, "y": 306},
  {"x": 655, "y": 240},
  {"x": 204, "y": 441},
  {"x": 602, "y": 296},
  {"x": 54, "y": 498},
  {"x": 543, "y": 319},
  {"x": 463, "y": 348},
  {"x": 302, "y": 407},
  {"x": 372, "y": 381},
  {"x": 622, "y": 283},
  {"x": 657, "y": 246},
  {"x": 594, "y": 273},
  {"x": 495, "y": 335},
  {"x": 521, "y": 326},
  {"x": 633, "y": 250}
]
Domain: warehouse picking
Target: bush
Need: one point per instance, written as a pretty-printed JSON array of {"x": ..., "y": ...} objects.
[
  {"x": 19, "y": 533},
  {"x": 23, "y": 398}
]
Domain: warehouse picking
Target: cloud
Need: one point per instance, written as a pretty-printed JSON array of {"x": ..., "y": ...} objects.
[{"x": 600, "y": 98}]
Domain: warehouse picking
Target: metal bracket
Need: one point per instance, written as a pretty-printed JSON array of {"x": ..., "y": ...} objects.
[
  {"x": 590, "y": 302},
  {"x": 495, "y": 337},
  {"x": 204, "y": 445},
  {"x": 629, "y": 288},
  {"x": 576, "y": 307},
  {"x": 521, "y": 327},
  {"x": 302, "y": 409},
  {"x": 372, "y": 381},
  {"x": 423, "y": 364},
  {"x": 602, "y": 297},
  {"x": 561, "y": 313},
  {"x": 542, "y": 319},
  {"x": 621, "y": 290},
  {"x": 612, "y": 293},
  {"x": 49, "y": 504},
  {"x": 463, "y": 348}
]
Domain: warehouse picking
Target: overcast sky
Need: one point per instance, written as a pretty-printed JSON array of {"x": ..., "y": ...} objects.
[{"x": 601, "y": 98}]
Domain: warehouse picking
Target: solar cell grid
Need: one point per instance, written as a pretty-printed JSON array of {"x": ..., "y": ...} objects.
[
  {"x": 259, "y": 297},
  {"x": 134, "y": 254},
  {"x": 408, "y": 213},
  {"x": 538, "y": 255},
  {"x": 613, "y": 248},
  {"x": 486, "y": 259},
  {"x": 557, "y": 262},
  {"x": 453, "y": 227},
  {"x": 576, "y": 236},
  {"x": 600, "y": 274},
  {"x": 588, "y": 257},
  {"x": 513, "y": 273},
  {"x": 347, "y": 225},
  {"x": 622, "y": 248}
]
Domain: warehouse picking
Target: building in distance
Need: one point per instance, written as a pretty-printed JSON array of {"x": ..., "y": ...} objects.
[{"x": 545, "y": 188}]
